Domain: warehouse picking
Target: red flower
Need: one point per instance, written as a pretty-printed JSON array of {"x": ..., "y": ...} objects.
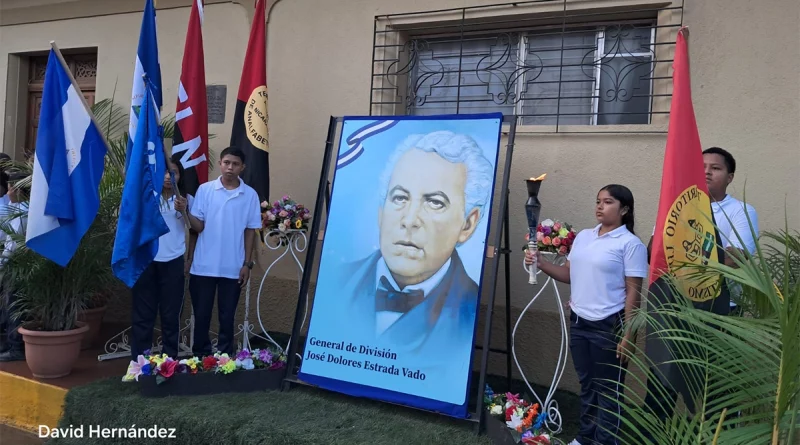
[
  {"x": 209, "y": 363},
  {"x": 537, "y": 440},
  {"x": 509, "y": 411},
  {"x": 566, "y": 241},
  {"x": 194, "y": 370},
  {"x": 562, "y": 250},
  {"x": 168, "y": 368},
  {"x": 571, "y": 235}
]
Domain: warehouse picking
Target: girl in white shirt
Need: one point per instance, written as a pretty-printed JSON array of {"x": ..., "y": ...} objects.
[
  {"x": 160, "y": 288},
  {"x": 604, "y": 269}
]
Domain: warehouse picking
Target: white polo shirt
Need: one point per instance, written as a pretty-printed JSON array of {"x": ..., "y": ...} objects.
[
  {"x": 598, "y": 266},
  {"x": 226, "y": 214},
  {"x": 173, "y": 244}
]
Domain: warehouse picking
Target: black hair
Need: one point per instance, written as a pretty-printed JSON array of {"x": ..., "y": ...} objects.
[
  {"x": 181, "y": 173},
  {"x": 625, "y": 197},
  {"x": 730, "y": 163},
  {"x": 4, "y": 163},
  {"x": 233, "y": 151}
]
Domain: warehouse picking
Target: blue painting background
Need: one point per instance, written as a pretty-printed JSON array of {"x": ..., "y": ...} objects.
[{"x": 352, "y": 234}]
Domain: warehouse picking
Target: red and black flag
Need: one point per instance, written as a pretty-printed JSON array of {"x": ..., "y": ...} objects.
[
  {"x": 250, "y": 120},
  {"x": 190, "y": 141},
  {"x": 685, "y": 233}
]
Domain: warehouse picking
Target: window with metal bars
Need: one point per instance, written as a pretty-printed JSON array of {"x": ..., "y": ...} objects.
[{"x": 593, "y": 68}]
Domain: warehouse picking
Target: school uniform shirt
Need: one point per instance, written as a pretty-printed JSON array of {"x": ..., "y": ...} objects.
[
  {"x": 598, "y": 266},
  {"x": 226, "y": 214},
  {"x": 173, "y": 244}
]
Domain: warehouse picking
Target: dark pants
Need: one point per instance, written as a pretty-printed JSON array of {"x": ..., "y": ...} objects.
[
  {"x": 593, "y": 345},
  {"x": 203, "y": 290},
  {"x": 12, "y": 339},
  {"x": 159, "y": 290}
]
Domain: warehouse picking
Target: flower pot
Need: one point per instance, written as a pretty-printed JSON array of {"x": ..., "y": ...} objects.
[
  {"x": 52, "y": 354},
  {"x": 93, "y": 318}
]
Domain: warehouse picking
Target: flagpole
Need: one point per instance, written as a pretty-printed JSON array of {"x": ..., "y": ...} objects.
[{"x": 75, "y": 84}]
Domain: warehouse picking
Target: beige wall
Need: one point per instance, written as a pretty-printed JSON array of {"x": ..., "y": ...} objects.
[{"x": 745, "y": 65}]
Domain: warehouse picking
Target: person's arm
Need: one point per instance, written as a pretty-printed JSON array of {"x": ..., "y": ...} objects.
[
  {"x": 197, "y": 211},
  {"x": 633, "y": 299},
  {"x": 253, "y": 223},
  {"x": 635, "y": 267},
  {"x": 649, "y": 249}
]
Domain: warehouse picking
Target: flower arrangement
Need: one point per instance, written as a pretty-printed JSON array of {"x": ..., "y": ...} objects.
[
  {"x": 524, "y": 419},
  {"x": 554, "y": 237},
  {"x": 285, "y": 214},
  {"x": 164, "y": 367}
]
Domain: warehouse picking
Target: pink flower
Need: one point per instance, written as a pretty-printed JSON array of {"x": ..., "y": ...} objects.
[
  {"x": 562, "y": 250},
  {"x": 539, "y": 237},
  {"x": 547, "y": 241},
  {"x": 557, "y": 227},
  {"x": 264, "y": 204},
  {"x": 556, "y": 241},
  {"x": 270, "y": 216},
  {"x": 283, "y": 214},
  {"x": 306, "y": 216}
]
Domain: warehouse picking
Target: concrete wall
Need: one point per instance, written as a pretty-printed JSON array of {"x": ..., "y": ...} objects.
[{"x": 745, "y": 65}]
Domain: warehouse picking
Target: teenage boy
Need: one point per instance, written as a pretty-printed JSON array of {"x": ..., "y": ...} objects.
[
  {"x": 225, "y": 214},
  {"x": 13, "y": 348}
]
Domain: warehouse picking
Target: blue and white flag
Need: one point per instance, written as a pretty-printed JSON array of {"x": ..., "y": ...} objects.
[
  {"x": 355, "y": 145},
  {"x": 140, "y": 221},
  {"x": 67, "y": 168},
  {"x": 146, "y": 63}
]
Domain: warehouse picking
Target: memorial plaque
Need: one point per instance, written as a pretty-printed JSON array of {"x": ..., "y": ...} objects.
[{"x": 216, "y": 95}]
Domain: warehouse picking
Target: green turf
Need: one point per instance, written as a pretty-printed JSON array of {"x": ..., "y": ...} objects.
[{"x": 300, "y": 416}]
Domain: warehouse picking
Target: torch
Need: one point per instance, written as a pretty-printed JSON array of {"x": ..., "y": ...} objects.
[{"x": 532, "y": 209}]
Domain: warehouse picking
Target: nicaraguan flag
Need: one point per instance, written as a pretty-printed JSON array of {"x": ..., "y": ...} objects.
[
  {"x": 67, "y": 168},
  {"x": 140, "y": 221},
  {"x": 146, "y": 63}
]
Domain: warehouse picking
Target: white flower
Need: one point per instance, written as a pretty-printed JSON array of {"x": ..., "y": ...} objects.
[
  {"x": 516, "y": 420},
  {"x": 497, "y": 409},
  {"x": 547, "y": 222},
  {"x": 281, "y": 227}
]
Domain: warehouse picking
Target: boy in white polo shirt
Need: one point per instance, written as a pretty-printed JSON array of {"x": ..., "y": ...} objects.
[{"x": 225, "y": 214}]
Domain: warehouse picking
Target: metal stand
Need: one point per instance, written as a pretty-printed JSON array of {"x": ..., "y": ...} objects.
[{"x": 549, "y": 406}]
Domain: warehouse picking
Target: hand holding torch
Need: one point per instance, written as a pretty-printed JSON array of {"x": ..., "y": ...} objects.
[{"x": 532, "y": 209}]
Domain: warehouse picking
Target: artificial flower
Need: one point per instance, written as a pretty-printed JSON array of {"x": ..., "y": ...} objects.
[
  {"x": 281, "y": 227},
  {"x": 246, "y": 364},
  {"x": 283, "y": 214},
  {"x": 228, "y": 367},
  {"x": 515, "y": 421},
  {"x": 265, "y": 356},
  {"x": 562, "y": 250},
  {"x": 546, "y": 230},
  {"x": 556, "y": 241},
  {"x": 167, "y": 368},
  {"x": 264, "y": 204},
  {"x": 496, "y": 410},
  {"x": 298, "y": 224},
  {"x": 243, "y": 354},
  {"x": 135, "y": 369},
  {"x": 563, "y": 232},
  {"x": 209, "y": 363},
  {"x": 547, "y": 241},
  {"x": 539, "y": 237},
  {"x": 557, "y": 227},
  {"x": 147, "y": 369}
]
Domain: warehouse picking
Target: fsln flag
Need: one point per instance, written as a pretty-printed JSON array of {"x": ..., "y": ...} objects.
[
  {"x": 685, "y": 230},
  {"x": 250, "y": 120},
  {"x": 190, "y": 141},
  {"x": 140, "y": 221},
  {"x": 146, "y": 63},
  {"x": 67, "y": 168}
]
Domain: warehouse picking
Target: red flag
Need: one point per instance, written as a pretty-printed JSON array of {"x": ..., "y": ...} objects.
[
  {"x": 685, "y": 233},
  {"x": 250, "y": 130},
  {"x": 190, "y": 141},
  {"x": 684, "y": 227}
]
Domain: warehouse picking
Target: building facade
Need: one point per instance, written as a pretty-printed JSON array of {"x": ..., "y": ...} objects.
[{"x": 589, "y": 82}]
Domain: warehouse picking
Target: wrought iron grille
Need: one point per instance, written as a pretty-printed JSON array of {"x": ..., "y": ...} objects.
[{"x": 552, "y": 63}]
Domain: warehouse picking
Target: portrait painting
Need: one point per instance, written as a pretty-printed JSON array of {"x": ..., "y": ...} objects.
[{"x": 402, "y": 260}]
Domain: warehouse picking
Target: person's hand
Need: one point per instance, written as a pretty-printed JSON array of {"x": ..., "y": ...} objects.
[
  {"x": 187, "y": 266},
  {"x": 531, "y": 257},
  {"x": 623, "y": 348},
  {"x": 180, "y": 203},
  {"x": 244, "y": 275}
]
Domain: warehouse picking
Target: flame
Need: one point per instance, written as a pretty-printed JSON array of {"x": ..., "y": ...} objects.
[{"x": 540, "y": 178}]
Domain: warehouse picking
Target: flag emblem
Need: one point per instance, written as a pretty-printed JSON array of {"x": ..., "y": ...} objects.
[
  {"x": 256, "y": 120},
  {"x": 689, "y": 238}
]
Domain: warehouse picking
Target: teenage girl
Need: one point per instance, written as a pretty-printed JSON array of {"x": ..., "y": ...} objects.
[
  {"x": 160, "y": 288},
  {"x": 604, "y": 269}
]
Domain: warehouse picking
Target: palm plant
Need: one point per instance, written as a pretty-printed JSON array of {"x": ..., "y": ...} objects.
[
  {"x": 743, "y": 373},
  {"x": 48, "y": 294}
]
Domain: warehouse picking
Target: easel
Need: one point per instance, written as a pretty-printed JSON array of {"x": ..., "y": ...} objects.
[{"x": 492, "y": 254}]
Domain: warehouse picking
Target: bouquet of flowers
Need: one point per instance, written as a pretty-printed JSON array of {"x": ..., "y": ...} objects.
[
  {"x": 164, "y": 367},
  {"x": 284, "y": 215},
  {"x": 554, "y": 237},
  {"x": 522, "y": 418}
]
